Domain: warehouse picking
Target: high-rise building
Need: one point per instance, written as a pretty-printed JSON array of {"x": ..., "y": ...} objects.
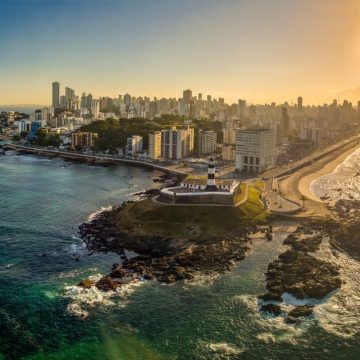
[
  {"x": 95, "y": 108},
  {"x": 83, "y": 102},
  {"x": 300, "y": 103},
  {"x": 255, "y": 149},
  {"x": 127, "y": 100},
  {"x": 177, "y": 144},
  {"x": 89, "y": 100},
  {"x": 207, "y": 142},
  {"x": 229, "y": 136},
  {"x": 153, "y": 109},
  {"x": 252, "y": 113},
  {"x": 45, "y": 116},
  {"x": 284, "y": 122},
  {"x": 241, "y": 109},
  {"x": 70, "y": 97},
  {"x": 187, "y": 95},
  {"x": 55, "y": 94},
  {"x": 134, "y": 145},
  {"x": 63, "y": 101},
  {"x": 155, "y": 145}
]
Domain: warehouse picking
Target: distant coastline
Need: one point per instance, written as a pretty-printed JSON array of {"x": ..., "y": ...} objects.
[{"x": 22, "y": 108}]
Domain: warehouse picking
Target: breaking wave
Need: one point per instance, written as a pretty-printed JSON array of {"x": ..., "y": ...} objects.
[{"x": 96, "y": 213}]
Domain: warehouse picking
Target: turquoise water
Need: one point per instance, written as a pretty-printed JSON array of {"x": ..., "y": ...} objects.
[{"x": 42, "y": 203}]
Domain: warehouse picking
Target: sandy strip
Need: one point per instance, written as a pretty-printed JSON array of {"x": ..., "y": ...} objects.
[
  {"x": 298, "y": 184},
  {"x": 305, "y": 182}
]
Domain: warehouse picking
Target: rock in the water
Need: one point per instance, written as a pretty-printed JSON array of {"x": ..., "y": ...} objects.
[
  {"x": 106, "y": 284},
  {"x": 167, "y": 278},
  {"x": 272, "y": 296},
  {"x": 86, "y": 283},
  {"x": 300, "y": 311},
  {"x": 291, "y": 320},
  {"x": 271, "y": 308}
]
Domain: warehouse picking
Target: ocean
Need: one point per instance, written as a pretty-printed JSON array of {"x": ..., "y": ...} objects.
[
  {"x": 43, "y": 316},
  {"x": 343, "y": 182}
]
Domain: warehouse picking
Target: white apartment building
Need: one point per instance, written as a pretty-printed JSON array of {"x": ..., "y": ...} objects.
[
  {"x": 312, "y": 134},
  {"x": 207, "y": 142},
  {"x": 134, "y": 145},
  {"x": 95, "y": 108},
  {"x": 229, "y": 136},
  {"x": 24, "y": 125},
  {"x": 255, "y": 149},
  {"x": 177, "y": 144},
  {"x": 155, "y": 145},
  {"x": 228, "y": 153}
]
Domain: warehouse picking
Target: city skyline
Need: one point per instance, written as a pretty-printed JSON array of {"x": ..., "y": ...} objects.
[{"x": 255, "y": 50}]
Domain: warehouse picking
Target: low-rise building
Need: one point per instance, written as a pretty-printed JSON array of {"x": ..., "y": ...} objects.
[
  {"x": 228, "y": 153},
  {"x": 83, "y": 139}
]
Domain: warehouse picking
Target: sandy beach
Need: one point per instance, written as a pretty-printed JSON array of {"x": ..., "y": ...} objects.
[{"x": 298, "y": 184}]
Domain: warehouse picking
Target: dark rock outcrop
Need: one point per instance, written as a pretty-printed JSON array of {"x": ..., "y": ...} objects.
[
  {"x": 301, "y": 311},
  {"x": 271, "y": 308}
]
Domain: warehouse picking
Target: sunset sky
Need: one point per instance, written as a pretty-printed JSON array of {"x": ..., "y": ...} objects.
[{"x": 258, "y": 50}]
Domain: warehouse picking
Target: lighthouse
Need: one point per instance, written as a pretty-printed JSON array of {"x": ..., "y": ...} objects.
[{"x": 211, "y": 184}]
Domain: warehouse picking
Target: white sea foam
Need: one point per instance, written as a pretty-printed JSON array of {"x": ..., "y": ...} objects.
[
  {"x": 83, "y": 299},
  {"x": 96, "y": 213},
  {"x": 342, "y": 183},
  {"x": 275, "y": 329},
  {"x": 217, "y": 350},
  {"x": 340, "y": 314}
]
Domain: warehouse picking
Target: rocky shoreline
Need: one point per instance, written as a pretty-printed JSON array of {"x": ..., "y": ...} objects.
[
  {"x": 298, "y": 271},
  {"x": 158, "y": 257},
  {"x": 347, "y": 235}
]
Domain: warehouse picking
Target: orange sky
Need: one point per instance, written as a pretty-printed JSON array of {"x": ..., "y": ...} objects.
[{"x": 258, "y": 50}]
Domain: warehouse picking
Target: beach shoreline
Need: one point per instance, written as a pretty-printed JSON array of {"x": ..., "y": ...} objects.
[
  {"x": 329, "y": 168},
  {"x": 297, "y": 186}
]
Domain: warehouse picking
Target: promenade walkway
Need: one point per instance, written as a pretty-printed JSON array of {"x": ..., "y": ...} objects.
[{"x": 95, "y": 158}]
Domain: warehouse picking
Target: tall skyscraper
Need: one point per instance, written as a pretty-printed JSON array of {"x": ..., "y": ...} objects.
[
  {"x": 187, "y": 95},
  {"x": 127, "y": 100},
  {"x": 70, "y": 97},
  {"x": 95, "y": 108},
  {"x": 83, "y": 101},
  {"x": 89, "y": 100},
  {"x": 284, "y": 122},
  {"x": 55, "y": 94},
  {"x": 300, "y": 103},
  {"x": 241, "y": 108}
]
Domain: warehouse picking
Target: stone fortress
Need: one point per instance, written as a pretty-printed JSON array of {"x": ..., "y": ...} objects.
[{"x": 202, "y": 190}]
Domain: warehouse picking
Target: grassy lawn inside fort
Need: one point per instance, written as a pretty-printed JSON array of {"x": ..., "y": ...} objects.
[{"x": 147, "y": 217}]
